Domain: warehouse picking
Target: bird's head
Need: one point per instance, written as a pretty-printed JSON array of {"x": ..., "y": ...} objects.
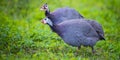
[
  {"x": 47, "y": 21},
  {"x": 44, "y": 7}
]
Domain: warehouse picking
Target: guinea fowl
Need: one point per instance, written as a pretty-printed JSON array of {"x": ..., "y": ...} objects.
[
  {"x": 75, "y": 32},
  {"x": 63, "y": 14}
]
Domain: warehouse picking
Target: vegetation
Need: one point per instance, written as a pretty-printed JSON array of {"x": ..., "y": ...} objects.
[{"x": 24, "y": 37}]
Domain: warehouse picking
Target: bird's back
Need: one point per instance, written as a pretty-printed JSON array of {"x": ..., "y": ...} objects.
[{"x": 66, "y": 13}]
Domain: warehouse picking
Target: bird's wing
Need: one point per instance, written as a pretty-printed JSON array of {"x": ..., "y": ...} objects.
[
  {"x": 74, "y": 28},
  {"x": 98, "y": 28}
]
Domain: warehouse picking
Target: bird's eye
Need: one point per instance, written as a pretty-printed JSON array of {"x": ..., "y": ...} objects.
[{"x": 45, "y": 6}]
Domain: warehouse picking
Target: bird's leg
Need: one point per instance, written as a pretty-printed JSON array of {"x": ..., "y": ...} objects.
[
  {"x": 93, "y": 51},
  {"x": 78, "y": 48},
  {"x": 77, "y": 51}
]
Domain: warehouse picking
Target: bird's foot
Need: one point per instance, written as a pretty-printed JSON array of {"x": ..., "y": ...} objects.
[{"x": 93, "y": 51}]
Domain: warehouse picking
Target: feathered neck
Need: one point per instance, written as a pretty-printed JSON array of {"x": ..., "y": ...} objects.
[{"x": 47, "y": 12}]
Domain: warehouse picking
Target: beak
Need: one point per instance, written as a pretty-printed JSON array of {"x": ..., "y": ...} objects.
[
  {"x": 41, "y": 9},
  {"x": 43, "y": 21}
]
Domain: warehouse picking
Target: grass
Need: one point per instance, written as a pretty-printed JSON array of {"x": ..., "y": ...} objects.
[{"x": 24, "y": 37}]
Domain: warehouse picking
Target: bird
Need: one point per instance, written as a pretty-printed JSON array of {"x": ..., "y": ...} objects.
[
  {"x": 62, "y": 14},
  {"x": 66, "y": 13},
  {"x": 75, "y": 32}
]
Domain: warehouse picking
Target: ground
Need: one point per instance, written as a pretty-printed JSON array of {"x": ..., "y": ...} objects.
[{"x": 24, "y": 37}]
